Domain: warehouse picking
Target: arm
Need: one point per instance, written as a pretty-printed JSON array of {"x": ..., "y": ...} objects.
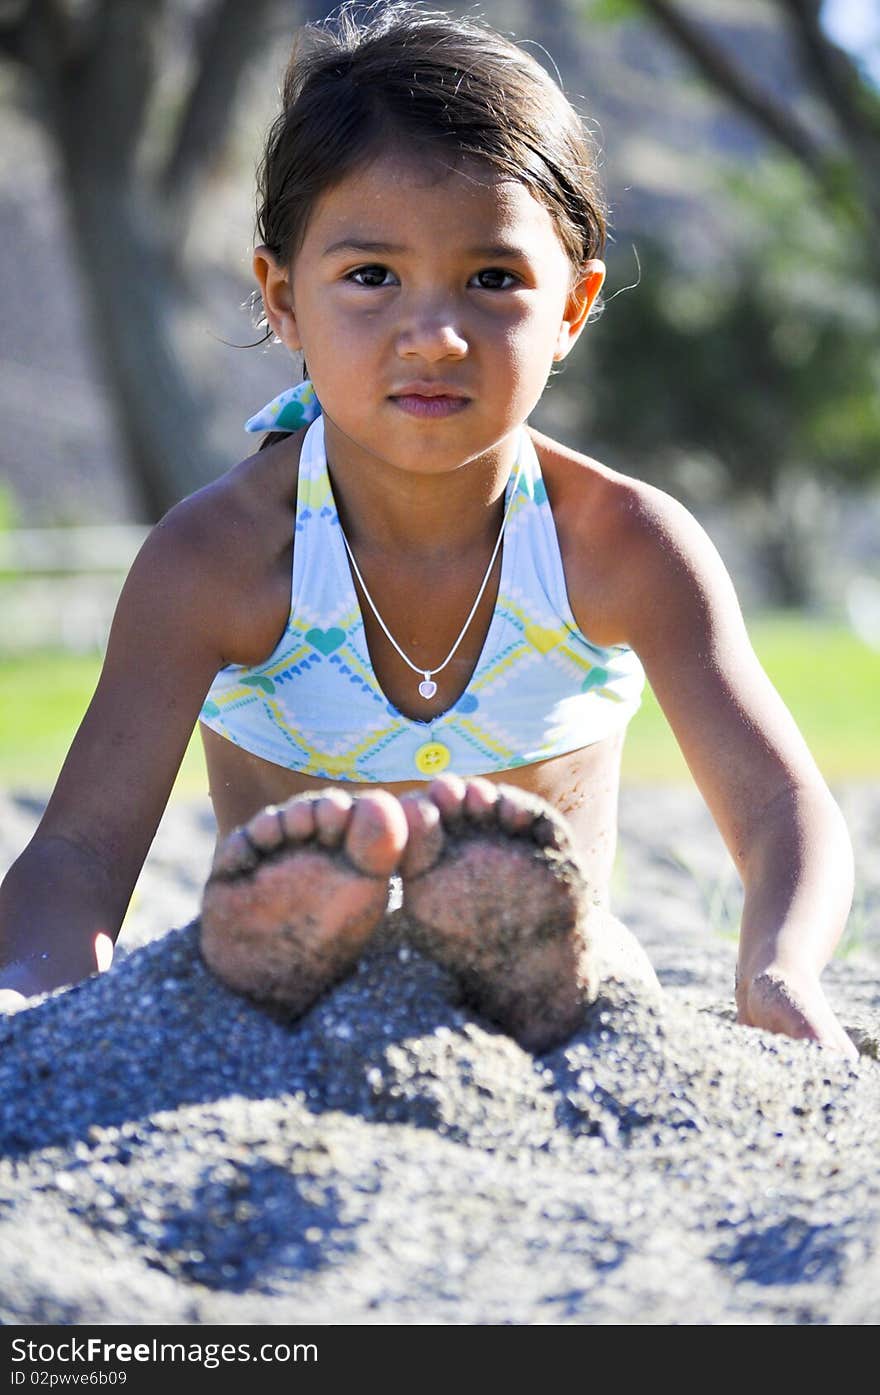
[
  {"x": 783, "y": 829},
  {"x": 63, "y": 900},
  {"x": 798, "y": 894}
]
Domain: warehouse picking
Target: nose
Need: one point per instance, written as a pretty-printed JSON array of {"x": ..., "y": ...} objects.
[{"x": 431, "y": 334}]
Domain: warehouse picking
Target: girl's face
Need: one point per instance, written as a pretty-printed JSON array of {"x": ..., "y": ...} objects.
[{"x": 413, "y": 280}]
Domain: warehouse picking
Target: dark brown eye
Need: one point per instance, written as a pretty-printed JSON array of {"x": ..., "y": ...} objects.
[
  {"x": 369, "y": 272},
  {"x": 493, "y": 273}
]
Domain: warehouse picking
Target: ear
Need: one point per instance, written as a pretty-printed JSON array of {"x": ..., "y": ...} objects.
[
  {"x": 578, "y": 306},
  {"x": 277, "y": 293}
]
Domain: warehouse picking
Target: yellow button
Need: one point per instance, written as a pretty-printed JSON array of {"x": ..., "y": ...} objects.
[{"x": 432, "y": 758}]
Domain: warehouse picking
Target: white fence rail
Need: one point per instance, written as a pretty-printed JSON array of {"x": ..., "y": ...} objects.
[{"x": 59, "y": 586}]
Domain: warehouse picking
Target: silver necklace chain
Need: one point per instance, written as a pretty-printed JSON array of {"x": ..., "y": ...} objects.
[{"x": 427, "y": 687}]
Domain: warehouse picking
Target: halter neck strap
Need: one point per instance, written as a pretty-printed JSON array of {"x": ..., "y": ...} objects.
[{"x": 294, "y": 407}]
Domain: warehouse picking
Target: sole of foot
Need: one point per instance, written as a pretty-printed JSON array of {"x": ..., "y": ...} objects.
[
  {"x": 295, "y": 894},
  {"x": 493, "y": 891}
]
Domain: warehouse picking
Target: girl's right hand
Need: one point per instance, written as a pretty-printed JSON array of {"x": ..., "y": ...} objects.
[{"x": 34, "y": 975}]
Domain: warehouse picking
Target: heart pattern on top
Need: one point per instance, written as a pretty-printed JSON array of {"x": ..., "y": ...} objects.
[
  {"x": 541, "y": 639},
  {"x": 325, "y": 640}
]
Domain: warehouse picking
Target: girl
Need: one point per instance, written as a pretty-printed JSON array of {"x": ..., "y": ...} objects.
[{"x": 414, "y": 629}]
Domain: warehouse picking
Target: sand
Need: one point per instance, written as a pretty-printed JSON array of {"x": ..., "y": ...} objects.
[{"x": 170, "y": 1154}]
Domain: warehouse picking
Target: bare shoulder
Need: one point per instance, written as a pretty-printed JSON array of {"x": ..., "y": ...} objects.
[
  {"x": 625, "y": 544},
  {"x": 230, "y": 517},
  {"x": 208, "y": 587},
  {"x": 226, "y": 551},
  {"x": 607, "y": 505}
]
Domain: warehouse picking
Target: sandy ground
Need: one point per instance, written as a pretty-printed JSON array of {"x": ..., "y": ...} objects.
[{"x": 170, "y": 1154}]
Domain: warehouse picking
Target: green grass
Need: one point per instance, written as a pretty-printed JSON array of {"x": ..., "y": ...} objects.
[
  {"x": 828, "y": 678},
  {"x": 42, "y": 700}
]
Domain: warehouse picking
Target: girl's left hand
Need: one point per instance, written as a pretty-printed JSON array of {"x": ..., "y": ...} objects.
[{"x": 793, "y": 1003}]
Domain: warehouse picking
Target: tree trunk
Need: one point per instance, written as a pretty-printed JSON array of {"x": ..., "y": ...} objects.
[
  {"x": 94, "y": 71},
  {"x": 138, "y": 308}
]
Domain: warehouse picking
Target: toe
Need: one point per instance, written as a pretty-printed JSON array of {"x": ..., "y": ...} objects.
[
  {"x": 265, "y": 829},
  {"x": 515, "y": 813},
  {"x": 549, "y": 831},
  {"x": 235, "y": 854},
  {"x": 377, "y": 833},
  {"x": 298, "y": 818},
  {"x": 425, "y": 836},
  {"x": 332, "y": 812},
  {"x": 448, "y": 792},
  {"x": 481, "y": 801}
]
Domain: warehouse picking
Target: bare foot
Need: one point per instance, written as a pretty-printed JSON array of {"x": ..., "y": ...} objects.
[
  {"x": 295, "y": 894},
  {"x": 493, "y": 891}
]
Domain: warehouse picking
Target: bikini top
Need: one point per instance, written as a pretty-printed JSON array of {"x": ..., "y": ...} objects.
[{"x": 540, "y": 687}]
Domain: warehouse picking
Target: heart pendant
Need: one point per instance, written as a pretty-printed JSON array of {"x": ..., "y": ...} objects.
[{"x": 427, "y": 687}]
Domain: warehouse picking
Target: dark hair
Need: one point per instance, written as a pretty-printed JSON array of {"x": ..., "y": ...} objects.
[{"x": 370, "y": 77}]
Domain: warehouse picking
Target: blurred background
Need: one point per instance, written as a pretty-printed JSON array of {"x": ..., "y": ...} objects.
[{"x": 736, "y": 362}]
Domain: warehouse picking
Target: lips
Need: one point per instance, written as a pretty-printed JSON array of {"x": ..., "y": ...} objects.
[
  {"x": 429, "y": 399},
  {"x": 429, "y": 389},
  {"x": 430, "y": 407}
]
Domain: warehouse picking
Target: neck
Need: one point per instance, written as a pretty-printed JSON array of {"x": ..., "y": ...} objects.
[{"x": 425, "y": 518}]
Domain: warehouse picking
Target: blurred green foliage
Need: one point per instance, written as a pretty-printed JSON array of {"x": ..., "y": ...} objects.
[
  {"x": 770, "y": 361},
  {"x": 764, "y": 363},
  {"x": 607, "y": 11}
]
